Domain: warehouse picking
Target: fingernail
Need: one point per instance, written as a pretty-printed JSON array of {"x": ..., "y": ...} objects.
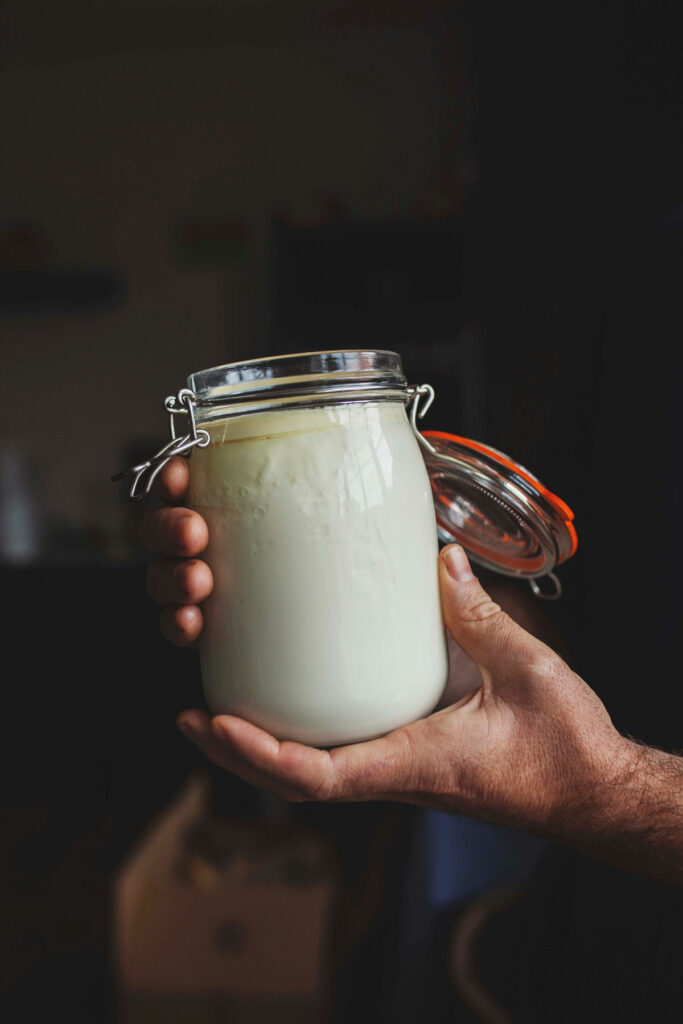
[
  {"x": 187, "y": 730},
  {"x": 457, "y": 564}
]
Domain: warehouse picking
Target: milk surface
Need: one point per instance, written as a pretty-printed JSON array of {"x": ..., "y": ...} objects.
[{"x": 324, "y": 625}]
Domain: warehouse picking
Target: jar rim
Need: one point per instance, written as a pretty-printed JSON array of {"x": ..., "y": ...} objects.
[{"x": 299, "y": 374}]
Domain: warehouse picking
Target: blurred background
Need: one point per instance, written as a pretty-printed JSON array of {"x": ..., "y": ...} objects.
[{"x": 496, "y": 194}]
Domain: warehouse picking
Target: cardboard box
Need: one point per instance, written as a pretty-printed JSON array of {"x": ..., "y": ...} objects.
[{"x": 232, "y": 927}]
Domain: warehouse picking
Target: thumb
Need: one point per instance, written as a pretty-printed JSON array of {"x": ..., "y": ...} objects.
[{"x": 494, "y": 642}]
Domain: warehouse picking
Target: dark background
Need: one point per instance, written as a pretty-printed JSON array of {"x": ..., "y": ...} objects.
[{"x": 494, "y": 191}]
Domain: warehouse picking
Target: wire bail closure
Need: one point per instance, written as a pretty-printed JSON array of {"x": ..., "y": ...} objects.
[
  {"x": 416, "y": 411},
  {"x": 145, "y": 473},
  {"x": 547, "y": 595}
]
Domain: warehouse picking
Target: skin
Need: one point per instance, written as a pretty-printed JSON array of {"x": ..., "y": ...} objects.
[{"x": 522, "y": 741}]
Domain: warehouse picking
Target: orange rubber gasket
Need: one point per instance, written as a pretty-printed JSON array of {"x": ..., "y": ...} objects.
[{"x": 557, "y": 503}]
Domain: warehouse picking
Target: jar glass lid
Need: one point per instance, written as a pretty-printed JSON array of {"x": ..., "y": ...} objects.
[
  {"x": 343, "y": 372},
  {"x": 500, "y": 512}
]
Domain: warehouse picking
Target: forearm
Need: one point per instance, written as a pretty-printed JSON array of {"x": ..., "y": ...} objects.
[{"x": 634, "y": 817}]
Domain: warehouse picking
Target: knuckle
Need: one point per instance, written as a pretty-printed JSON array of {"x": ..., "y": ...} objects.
[
  {"x": 483, "y": 609},
  {"x": 187, "y": 532},
  {"x": 173, "y": 630},
  {"x": 179, "y": 529},
  {"x": 320, "y": 790},
  {"x": 410, "y": 766},
  {"x": 183, "y": 577},
  {"x": 165, "y": 481},
  {"x": 545, "y": 664},
  {"x": 307, "y": 791},
  {"x": 160, "y": 530}
]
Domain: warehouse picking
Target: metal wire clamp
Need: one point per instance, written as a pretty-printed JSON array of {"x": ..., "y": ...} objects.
[
  {"x": 416, "y": 410},
  {"x": 145, "y": 473}
]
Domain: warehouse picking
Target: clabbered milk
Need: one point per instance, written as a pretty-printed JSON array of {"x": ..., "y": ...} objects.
[{"x": 324, "y": 625}]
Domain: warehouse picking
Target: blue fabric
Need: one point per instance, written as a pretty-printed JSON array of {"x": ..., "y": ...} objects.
[
  {"x": 451, "y": 860},
  {"x": 465, "y": 858}
]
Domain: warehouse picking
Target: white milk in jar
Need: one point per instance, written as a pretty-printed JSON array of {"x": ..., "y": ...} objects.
[
  {"x": 324, "y": 625},
  {"x": 323, "y": 501}
]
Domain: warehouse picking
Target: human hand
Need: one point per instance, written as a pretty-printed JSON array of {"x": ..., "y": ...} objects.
[
  {"x": 527, "y": 748},
  {"x": 530, "y": 746},
  {"x": 177, "y": 580}
]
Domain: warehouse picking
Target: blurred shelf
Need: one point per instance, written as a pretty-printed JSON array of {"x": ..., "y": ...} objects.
[{"x": 51, "y": 291}]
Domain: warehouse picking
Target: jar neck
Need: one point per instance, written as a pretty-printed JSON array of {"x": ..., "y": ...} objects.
[{"x": 208, "y": 411}]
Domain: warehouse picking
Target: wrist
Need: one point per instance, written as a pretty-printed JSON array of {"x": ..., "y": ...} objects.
[
  {"x": 617, "y": 795},
  {"x": 598, "y": 793},
  {"x": 631, "y": 811}
]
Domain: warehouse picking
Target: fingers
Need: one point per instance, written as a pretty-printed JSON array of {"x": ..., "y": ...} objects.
[
  {"x": 375, "y": 770},
  {"x": 179, "y": 581},
  {"x": 407, "y": 764},
  {"x": 180, "y": 584},
  {"x": 174, "y": 532},
  {"x": 295, "y": 771},
  {"x": 492, "y": 640},
  {"x": 196, "y": 725},
  {"x": 198, "y": 728},
  {"x": 173, "y": 480},
  {"x": 181, "y": 625}
]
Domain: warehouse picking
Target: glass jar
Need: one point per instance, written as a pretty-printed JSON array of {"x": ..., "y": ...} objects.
[
  {"x": 319, "y": 491},
  {"x": 324, "y": 624}
]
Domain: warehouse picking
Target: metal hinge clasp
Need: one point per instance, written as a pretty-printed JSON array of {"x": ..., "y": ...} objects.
[
  {"x": 417, "y": 408},
  {"x": 146, "y": 473}
]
